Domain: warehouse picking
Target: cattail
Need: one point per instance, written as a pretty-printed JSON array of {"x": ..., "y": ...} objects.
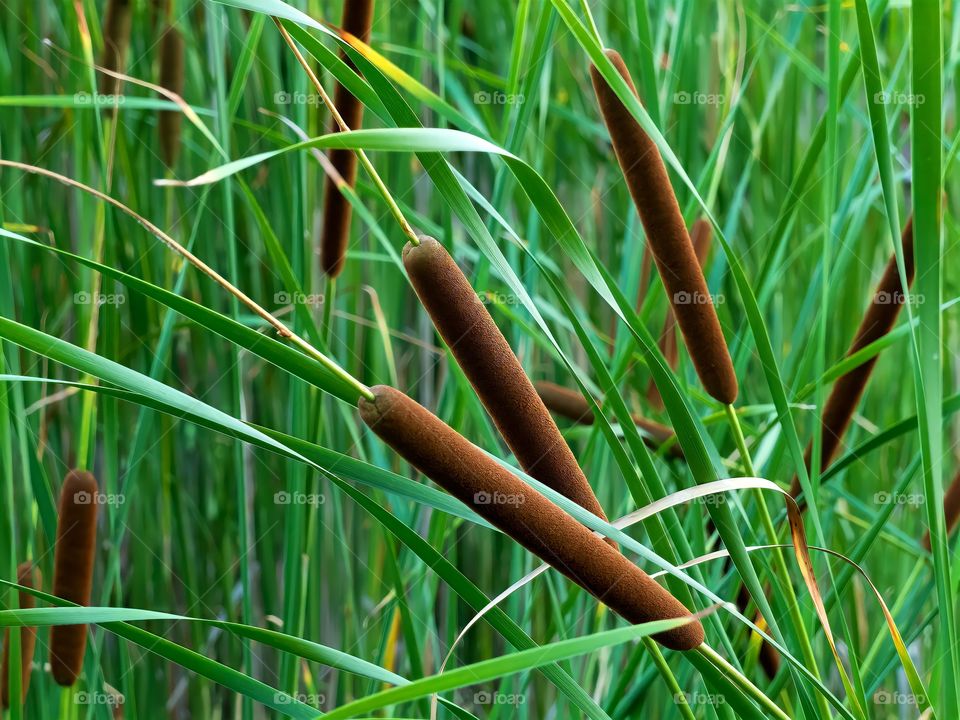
[
  {"x": 495, "y": 372},
  {"x": 667, "y": 238},
  {"x": 73, "y": 570},
  {"x": 848, "y": 389},
  {"x": 27, "y": 576},
  {"x": 573, "y": 406},
  {"x": 481, "y": 483},
  {"x": 116, "y": 40},
  {"x": 357, "y": 20},
  {"x": 171, "y": 78},
  {"x": 951, "y": 510},
  {"x": 700, "y": 236}
]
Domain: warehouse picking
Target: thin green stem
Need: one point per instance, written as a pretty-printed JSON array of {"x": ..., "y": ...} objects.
[
  {"x": 679, "y": 697},
  {"x": 742, "y": 682}
]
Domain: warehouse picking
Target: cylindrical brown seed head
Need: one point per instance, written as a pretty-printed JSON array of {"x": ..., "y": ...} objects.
[
  {"x": 116, "y": 40},
  {"x": 573, "y": 406},
  {"x": 701, "y": 236},
  {"x": 337, "y": 213},
  {"x": 847, "y": 391},
  {"x": 495, "y": 373},
  {"x": 667, "y": 237},
  {"x": 73, "y": 570},
  {"x": 27, "y": 576},
  {"x": 951, "y": 510},
  {"x": 499, "y": 496},
  {"x": 171, "y": 78}
]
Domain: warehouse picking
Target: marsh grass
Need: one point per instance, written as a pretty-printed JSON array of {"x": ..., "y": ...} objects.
[{"x": 262, "y": 554}]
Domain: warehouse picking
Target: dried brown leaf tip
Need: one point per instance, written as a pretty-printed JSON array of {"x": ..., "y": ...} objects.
[
  {"x": 73, "y": 570},
  {"x": 527, "y": 516},
  {"x": 337, "y": 212},
  {"x": 667, "y": 238}
]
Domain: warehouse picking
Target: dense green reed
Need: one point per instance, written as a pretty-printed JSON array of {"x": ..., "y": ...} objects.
[{"x": 261, "y": 553}]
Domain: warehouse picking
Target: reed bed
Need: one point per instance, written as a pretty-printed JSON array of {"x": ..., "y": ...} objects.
[
  {"x": 478, "y": 481},
  {"x": 28, "y": 575},
  {"x": 337, "y": 212},
  {"x": 74, "y": 555},
  {"x": 667, "y": 237}
]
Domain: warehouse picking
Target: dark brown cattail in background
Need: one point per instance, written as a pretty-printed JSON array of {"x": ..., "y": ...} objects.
[
  {"x": 171, "y": 78},
  {"x": 573, "y": 406},
  {"x": 494, "y": 493},
  {"x": 495, "y": 373},
  {"x": 701, "y": 236},
  {"x": 27, "y": 576},
  {"x": 116, "y": 41},
  {"x": 667, "y": 238},
  {"x": 951, "y": 510},
  {"x": 337, "y": 213},
  {"x": 879, "y": 319},
  {"x": 73, "y": 570}
]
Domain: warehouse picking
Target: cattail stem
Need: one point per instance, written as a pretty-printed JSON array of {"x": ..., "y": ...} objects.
[
  {"x": 495, "y": 373},
  {"x": 499, "y": 496},
  {"x": 73, "y": 570},
  {"x": 667, "y": 238},
  {"x": 879, "y": 319},
  {"x": 572, "y": 405},
  {"x": 741, "y": 681},
  {"x": 951, "y": 510},
  {"x": 27, "y": 576}
]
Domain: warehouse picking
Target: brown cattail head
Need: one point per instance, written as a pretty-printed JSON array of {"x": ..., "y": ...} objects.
[
  {"x": 171, "y": 78},
  {"x": 494, "y": 372},
  {"x": 494, "y": 493},
  {"x": 116, "y": 40},
  {"x": 27, "y": 576},
  {"x": 879, "y": 319},
  {"x": 337, "y": 213},
  {"x": 667, "y": 237},
  {"x": 951, "y": 510},
  {"x": 73, "y": 570},
  {"x": 573, "y": 406},
  {"x": 701, "y": 236}
]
